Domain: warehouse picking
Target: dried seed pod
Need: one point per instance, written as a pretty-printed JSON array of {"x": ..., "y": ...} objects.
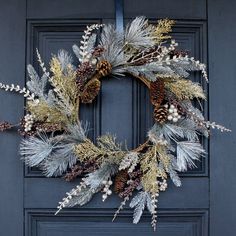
[
  {"x": 133, "y": 183},
  {"x": 91, "y": 90},
  {"x": 97, "y": 52},
  {"x": 120, "y": 181},
  {"x": 81, "y": 169},
  {"x": 178, "y": 53},
  {"x": 160, "y": 114},
  {"x": 47, "y": 127},
  {"x": 157, "y": 92},
  {"x": 5, "y": 126}
]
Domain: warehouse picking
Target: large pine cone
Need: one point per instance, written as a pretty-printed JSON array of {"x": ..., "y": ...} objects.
[
  {"x": 104, "y": 68},
  {"x": 160, "y": 114},
  {"x": 157, "y": 92},
  {"x": 91, "y": 90},
  {"x": 120, "y": 181}
]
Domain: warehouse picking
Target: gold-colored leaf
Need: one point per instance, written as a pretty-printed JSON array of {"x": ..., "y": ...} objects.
[
  {"x": 45, "y": 113},
  {"x": 185, "y": 89}
]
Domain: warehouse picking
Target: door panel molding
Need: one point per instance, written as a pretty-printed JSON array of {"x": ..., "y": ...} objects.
[{"x": 98, "y": 222}]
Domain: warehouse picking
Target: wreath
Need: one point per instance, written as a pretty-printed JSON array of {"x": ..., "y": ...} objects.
[{"x": 55, "y": 140}]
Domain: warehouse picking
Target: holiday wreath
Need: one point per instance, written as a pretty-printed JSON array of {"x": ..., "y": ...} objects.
[{"x": 56, "y": 142}]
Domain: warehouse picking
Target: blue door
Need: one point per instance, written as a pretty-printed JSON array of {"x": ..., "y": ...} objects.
[{"x": 205, "y": 205}]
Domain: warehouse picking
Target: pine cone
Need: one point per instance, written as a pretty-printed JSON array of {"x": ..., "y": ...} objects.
[
  {"x": 157, "y": 92},
  {"x": 84, "y": 72},
  {"x": 4, "y": 126},
  {"x": 120, "y": 181},
  {"x": 90, "y": 91},
  {"x": 97, "y": 52},
  {"x": 104, "y": 68},
  {"x": 134, "y": 183},
  {"x": 160, "y": 114}
]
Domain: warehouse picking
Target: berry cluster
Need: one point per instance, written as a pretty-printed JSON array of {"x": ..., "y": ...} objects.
[
  {"x": 29, "y": 120},
  {"x": 163, "y": 185},
  {"x": 173, "y": 114},
  {"x": 106, "y": 189}
]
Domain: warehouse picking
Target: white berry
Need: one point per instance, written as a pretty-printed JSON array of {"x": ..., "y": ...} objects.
[
  {"x": 169, "y": 117},
  {"x": 94, "y": 61},
  {"x": 175, "y": 119}
]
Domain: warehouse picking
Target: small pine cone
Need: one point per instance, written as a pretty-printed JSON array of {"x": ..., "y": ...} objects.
[
  {"x": 84, "y": 71},
  {"x": 160, "y": 114},
  {"x": 120, "y": 181},
  {"x": 157, "y": 92},
  {"x": 80, "y": 84},
  {"x": 104, "y": 68},
  {"x": 97, "y": 51}
]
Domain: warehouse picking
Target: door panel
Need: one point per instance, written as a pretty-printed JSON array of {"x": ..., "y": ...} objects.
[
  {"x": 97, "y": 223},
  {"x": 122, "y": 108},
  {"x": 12, "y": 70},
  {"x": 28, "y": 199},
  {"x": 222, "y": 35}
]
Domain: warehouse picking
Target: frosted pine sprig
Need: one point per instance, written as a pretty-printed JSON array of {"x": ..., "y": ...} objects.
[
  {"x": 16, "y": 88},
  {"x": 129, "y": 161},
  {"x": 187, "y": 63},
  {"x": 74, "y": 192},
  {"x": 153, "y": 210},
  {"x": 208, "y": 124},
  {"x": 213, "y": 125},
  {"x": 120, "y": 207},
  {"x": 41, "y": 63},
  {"x": 84, "y": 42}
]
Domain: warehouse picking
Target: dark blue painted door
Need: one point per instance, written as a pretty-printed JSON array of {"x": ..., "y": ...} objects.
[{"x": 205, "y": 205}]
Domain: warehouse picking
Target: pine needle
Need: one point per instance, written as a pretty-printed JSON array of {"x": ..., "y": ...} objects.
[
  {"x": 185, "y": 89},
  {"x": 163, "y": 28}
]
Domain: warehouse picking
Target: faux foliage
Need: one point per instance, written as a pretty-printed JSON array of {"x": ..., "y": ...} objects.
[{"x": 56, "y": 141}]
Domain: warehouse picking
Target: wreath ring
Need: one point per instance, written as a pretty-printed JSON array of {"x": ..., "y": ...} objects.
[{"x": 56, "y": 142}]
